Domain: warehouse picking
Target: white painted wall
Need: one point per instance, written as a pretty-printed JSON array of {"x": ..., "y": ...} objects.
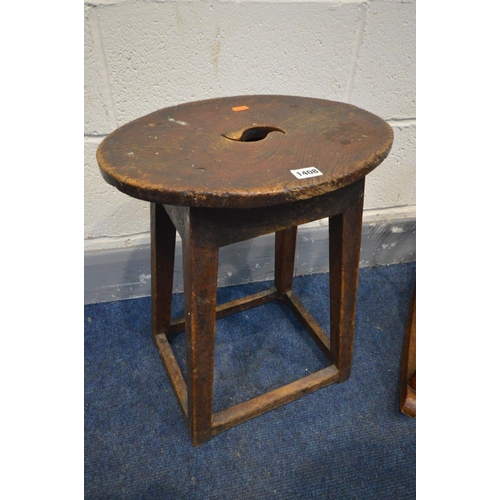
[{"x": 143, "y": 55}]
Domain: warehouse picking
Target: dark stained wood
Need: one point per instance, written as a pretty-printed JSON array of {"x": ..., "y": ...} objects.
[
  {"x": 203, "y": 230},
  {"x": 173, "y": 371},
  {"x": 181, "y": 155},
  {"x": 345, "y": 246},
  {"x": 308, "y": 322},
  {"x": 163, "y": 235},
  {"x": 200, "y": 261},
  {"x": 412, "y": 381},
  {"x": 284, "y": 259},
  {"x": 238, "y": 414},
  {"x": 219, "y": 176},
  {"x": 230, "y": 226},
  {"x": 180, "y": 217},
  {"x": 231, "y": 307},
  {"x": 408, "y": 375}
]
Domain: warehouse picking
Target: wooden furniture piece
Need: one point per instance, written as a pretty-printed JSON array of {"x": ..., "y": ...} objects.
[
  {"x": 224, "y": 170},
  {"x": 408, "y": 374}
]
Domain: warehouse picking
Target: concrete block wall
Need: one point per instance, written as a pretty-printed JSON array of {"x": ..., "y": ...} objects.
[{"x": 143, "y": 55}]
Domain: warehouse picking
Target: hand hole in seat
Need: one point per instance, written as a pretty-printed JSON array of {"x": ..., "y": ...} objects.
[{"x": 252, "y": 134}]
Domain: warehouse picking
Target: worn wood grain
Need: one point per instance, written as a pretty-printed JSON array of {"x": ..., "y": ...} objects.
[
  {"x": 163, "y": 236},
  {"x": 225, "y": 226},
  {"x": 345, "y": 247},
  {"x": 219, "y": 176},
  {"x": 234, "y": 306},
  {"x": 238, "y": 414},
  {"x": 284, "y": 259},
  {"x": 308, "y": 322},
  {"x": 173, "y": 371},
  {"x": 182, "y": 155},
  {"x": 200, "y": 259}
]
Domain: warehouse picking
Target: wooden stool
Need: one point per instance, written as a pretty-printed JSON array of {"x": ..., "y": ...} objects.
[{"x": 225, "y": 170}]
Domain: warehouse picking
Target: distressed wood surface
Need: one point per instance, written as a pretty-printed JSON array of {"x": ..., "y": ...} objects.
[
  {"x": 238, "y": 414},
  {"x": 284, "y": 259},
  {"x": 219, "y": 172},
  {"x": 257, "y": 299},
  {"x": 242, "y": 224},
  {"x": 163, "y": 234},
  {"x": 203, "y": 231},
  {"x": 200, "y": 262},
  {"x": 345, "y": 248},
  {"x": 205, "y": 154}
]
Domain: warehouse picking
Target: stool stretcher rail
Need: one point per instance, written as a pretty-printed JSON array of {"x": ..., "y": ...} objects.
[
  {"x": 216, "y": 178},
  {"x": 242, "y": 412},
  {"x": 238, "y": 414},
  {"x": 234, "y": 306}
]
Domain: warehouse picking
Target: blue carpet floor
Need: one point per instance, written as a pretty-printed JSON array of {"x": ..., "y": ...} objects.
[{"x": 346, "y": 441}]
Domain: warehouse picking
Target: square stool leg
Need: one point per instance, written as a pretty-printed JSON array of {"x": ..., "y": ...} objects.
[
  {"x": 163, "y": 234},
  {"x": 344, "y": 251},
  {"x": 284, "y": 259},
  {"x": 203, "y": 232},
  {"x": 200, "y": 263}
]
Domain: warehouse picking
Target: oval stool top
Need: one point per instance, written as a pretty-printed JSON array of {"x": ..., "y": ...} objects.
[{"x": 241, "y": 152}]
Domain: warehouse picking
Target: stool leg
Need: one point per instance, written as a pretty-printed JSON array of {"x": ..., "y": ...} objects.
[
  {"x": 284, "y": 259},
  {"x": 162, "y": 268},
  {"x": 200, "y": 259},
  {"x": 345, "y": 244}
]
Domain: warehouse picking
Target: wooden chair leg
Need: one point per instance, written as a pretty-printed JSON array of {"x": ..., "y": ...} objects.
[
  {"x": 200, "y": 259},
  {"x": 408, "y": 374},
  {"x": 284, "y": 259},
  {"x": 162, "y": 268},
  {"x": 345, "y": 244}
]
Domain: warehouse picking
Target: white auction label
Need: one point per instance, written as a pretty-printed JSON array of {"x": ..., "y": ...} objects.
[{"x": 304, "y": 173}]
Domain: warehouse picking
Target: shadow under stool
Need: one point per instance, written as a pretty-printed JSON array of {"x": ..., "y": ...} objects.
[{"x": 225, "y": 170}]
